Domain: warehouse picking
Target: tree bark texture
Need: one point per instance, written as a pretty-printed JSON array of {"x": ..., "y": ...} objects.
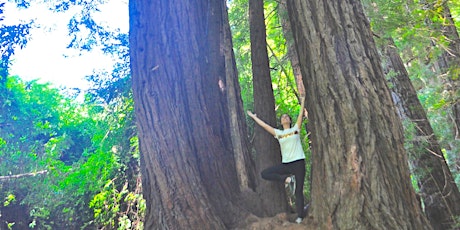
[
  {"x": 291, "y": 50},
  {"x": 359, "y": 165},
  {"x": 245, "y": 166},
  {"x": 267, "y": 149},
  {"x": 438, "y": 190},
  {"x": 179, "y": 70}
]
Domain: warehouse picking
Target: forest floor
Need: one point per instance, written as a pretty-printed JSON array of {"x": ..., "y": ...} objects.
[{"x": 282, "y": 221}]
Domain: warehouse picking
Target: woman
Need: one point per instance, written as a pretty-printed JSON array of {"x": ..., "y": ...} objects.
[{"x": 293, "y": 157}]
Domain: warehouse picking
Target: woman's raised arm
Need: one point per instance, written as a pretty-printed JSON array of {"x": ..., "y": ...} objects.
[
  {"x": 302, "y": 106},
  {"x": 262, "y": 124}
]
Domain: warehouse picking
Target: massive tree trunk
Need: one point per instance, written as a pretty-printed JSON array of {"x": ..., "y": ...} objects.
[
  {"x": 178, "y": 66},
  {"x": 360, "y": 170},
  {"x": 267, "y": 149},
  {"x": 438, "y": 190}
]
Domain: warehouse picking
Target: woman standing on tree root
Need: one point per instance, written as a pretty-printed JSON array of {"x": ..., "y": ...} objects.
[{"x": 292, "y": 169}]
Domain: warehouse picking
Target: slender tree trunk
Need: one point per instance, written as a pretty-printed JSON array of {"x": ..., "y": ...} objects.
[
  {"x": 244, "y": 163},
  {"x": 449, "y": 63},
  {"x": 291, "y": 51},
  {"x": 267, "y": 149},
  {"x": 438, "y": 190},
  {"x": 178, "y": 70},
  {"x": 360, "y": 170},
  {"x": 447, "y": 66}
]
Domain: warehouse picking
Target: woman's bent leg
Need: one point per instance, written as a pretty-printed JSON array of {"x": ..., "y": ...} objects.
[{"x": 276, "y": 173}]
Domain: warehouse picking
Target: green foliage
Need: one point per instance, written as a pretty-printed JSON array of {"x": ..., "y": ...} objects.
[
  {"x": 10, "y": 198},
  {"x": 26, "y": 124},
  {"x": 455, "y": 10},
  {"x": 108, "y": 210},
  {"x": 10, "y": 225},
  {"x": 80, "y": 145}
]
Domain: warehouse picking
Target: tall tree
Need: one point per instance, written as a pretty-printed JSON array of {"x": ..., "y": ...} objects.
[
  {"x": 447, "y": 65},
  {"x": 238, "y": 129},
  {"x": 179, "y": 77},
  {"x": 360, "y": 170},
  {"x": 440, "y": 19},
  {"x": 291, "y": 50},
  {"x": 430, "y": 168},
  {"x": 266, "y": 147},
  {"x": 438, "y": 190}
]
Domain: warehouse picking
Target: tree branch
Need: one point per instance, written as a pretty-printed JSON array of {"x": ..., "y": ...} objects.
[{"x": 3, "y": 178}]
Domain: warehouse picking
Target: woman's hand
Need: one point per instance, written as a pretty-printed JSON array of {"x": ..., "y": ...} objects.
[
  {"x": 262, "y": 124},
  {"x": 301, "y": 112}
]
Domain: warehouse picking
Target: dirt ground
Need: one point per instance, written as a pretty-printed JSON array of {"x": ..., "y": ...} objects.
[{"x": 281, "y": 221}]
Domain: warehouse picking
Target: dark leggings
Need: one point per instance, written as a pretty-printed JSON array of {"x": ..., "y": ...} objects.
[{"x": 282, "y": 171}]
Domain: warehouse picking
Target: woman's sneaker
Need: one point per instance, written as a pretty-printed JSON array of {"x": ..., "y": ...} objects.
[{"x": 298, "y": 220}]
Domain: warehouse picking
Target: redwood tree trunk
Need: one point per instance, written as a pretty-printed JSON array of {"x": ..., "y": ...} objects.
[
  {"x": 449, "y": 63},
  {"x": 238, "y": 128},
  {"x": 291, "y": 50},
  {"x": 438, "y": 190},
  {"x": 267, "y": 149},
  {"x": 178, "y": 71},
  {"x": 360, "y": 170}
]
